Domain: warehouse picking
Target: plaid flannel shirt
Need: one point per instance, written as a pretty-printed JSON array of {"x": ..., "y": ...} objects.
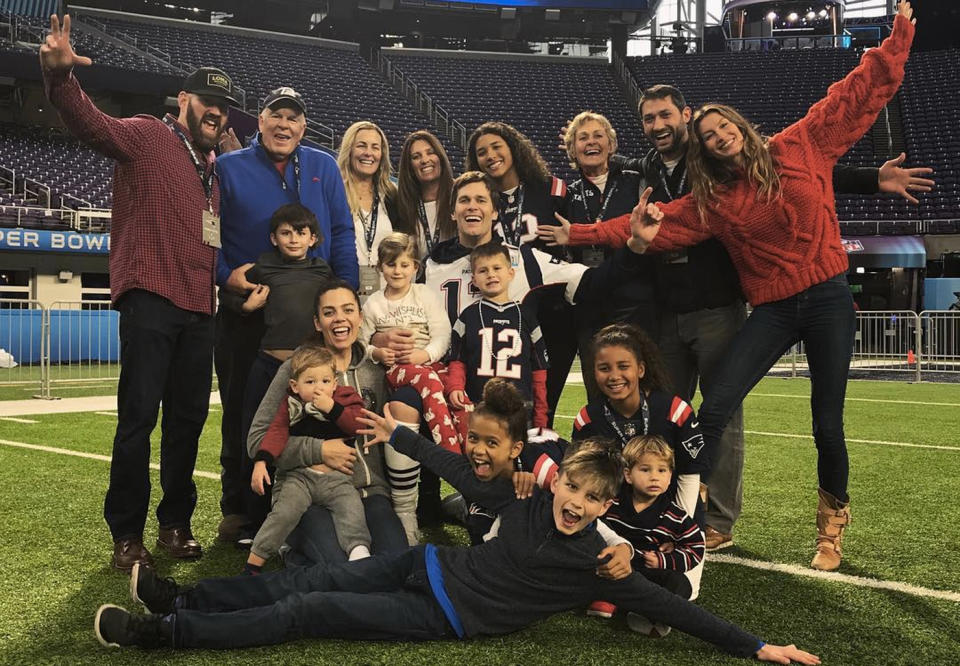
[{"x": 158, "y": 201}]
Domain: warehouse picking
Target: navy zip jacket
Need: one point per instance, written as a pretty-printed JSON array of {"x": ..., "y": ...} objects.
[
  {"x": 531, "y": 571},
  {"x": 251, "y": 189}
]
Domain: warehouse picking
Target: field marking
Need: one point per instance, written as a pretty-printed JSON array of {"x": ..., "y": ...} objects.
[
  {"x": 91, "y": 456},
  {"x": 856, "y": 441},
  {"x": 16, "y": 420},
  {"x": 849, "y": 399},
  {"x": 792, "y": 569},
  {"x": 859, "y": 581},
  {"x": 790, "y": 435}
]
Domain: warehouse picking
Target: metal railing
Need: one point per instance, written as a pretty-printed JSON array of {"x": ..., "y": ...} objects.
[
  {"x": 630, "y": 86},
  {"x": 447, "y": 126},
  {"x": 793, "y": 42},
  {"x": 24, "y": 357},
  {"x": 76, "y": 344},
  {"x": 892, "y": 343}
]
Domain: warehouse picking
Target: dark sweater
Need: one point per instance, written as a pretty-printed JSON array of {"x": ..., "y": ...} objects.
[
  {"x": 288, "y": 314},
  {"x": 531, "y": 571}
]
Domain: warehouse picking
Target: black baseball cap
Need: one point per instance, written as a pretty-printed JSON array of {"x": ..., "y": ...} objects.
[
  {"x": 288, "y": 96},
  {"x": 210, "y": 82}
]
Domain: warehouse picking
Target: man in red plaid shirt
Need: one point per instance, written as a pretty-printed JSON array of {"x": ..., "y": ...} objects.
[{"x": 164, "y": 237}]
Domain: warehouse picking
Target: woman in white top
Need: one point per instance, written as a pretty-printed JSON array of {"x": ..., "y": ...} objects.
[
  {"x": 424, "y": 181},
  {"x": 364, "y": 162}
]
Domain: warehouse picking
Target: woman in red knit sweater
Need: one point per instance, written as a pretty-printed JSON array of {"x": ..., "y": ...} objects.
[{"x": 771, "y": 203}]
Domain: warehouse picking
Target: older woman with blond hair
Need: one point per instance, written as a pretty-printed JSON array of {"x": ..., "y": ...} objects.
[
  {"x": 364, "y": 161},
  {"x": 770, "y": 202},
  {"x": 605, "y": 189}
]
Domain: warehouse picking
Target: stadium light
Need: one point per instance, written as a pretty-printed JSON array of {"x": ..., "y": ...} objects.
[
  {"x": 811, "y": 15},
  {"x": 823, "y": 13},
  {"x": 772, "y": 16},
  {"x": 791, "y": 17}
]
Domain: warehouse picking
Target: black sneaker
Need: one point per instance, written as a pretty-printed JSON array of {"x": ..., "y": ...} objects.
[
  {"x": 116, "y": 627},
  {"x": 156, "y": 594}
]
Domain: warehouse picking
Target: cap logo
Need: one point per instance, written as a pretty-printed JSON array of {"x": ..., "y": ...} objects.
[
  {"x": 218, "y": 81},
  {"x": 286, "y": 92}
]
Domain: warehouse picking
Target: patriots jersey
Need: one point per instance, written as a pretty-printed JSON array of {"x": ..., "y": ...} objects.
[
  {"x": 670, "y": 417},
  {"x": 498, "y": 340},
  {"x": 448, "y": 273}
]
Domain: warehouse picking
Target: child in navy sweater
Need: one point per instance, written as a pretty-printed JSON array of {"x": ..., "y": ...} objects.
[
  {"x": 667, "y": 540},
  {"x": 543, "y": 562}
]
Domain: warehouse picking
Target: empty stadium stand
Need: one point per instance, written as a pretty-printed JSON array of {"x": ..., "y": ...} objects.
[{"x": 537, "y": 95}]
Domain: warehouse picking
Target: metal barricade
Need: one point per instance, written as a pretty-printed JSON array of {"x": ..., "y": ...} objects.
[
  {"x": 884, "y": 342},
  {"x": 84, "y": 345},
  {"x": 940, "y": 334},
  {"x": 24, "y": 354}
]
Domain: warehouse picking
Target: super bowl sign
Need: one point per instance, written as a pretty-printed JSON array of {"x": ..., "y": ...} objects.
[{"x": 41, "y": 240}]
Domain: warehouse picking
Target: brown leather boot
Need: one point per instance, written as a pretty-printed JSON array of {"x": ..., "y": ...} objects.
[{"x": 833, "y": 516}]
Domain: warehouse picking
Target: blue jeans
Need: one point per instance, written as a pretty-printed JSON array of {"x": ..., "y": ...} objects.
[
  {"x": 822, "y": 316},
  {"x": 693, "y": 346},
  {"x": 386, "y": 597},
  {"x": 314, "y": 540},
  {"x": 166, "y": 354}
]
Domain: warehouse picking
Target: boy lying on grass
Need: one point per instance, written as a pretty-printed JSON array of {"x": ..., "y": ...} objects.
[{"x": 542, "y": 562}]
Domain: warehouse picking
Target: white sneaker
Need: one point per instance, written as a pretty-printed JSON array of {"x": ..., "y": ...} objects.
[
  {"x": 358, "y": 553},
  {"x": 642, "y": 625}
]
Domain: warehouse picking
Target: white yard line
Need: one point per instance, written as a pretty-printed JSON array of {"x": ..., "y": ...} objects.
[
  {"x": 849, "y": 399},
  {"x": 90, "y": 456},
  {"x": 857, "y": 441},
  {"x": 16, "y": 420},
  {"x": 791, "y": 569},
  {"x": 790, "y": 435},
  {"x": 859, "y": 581}
]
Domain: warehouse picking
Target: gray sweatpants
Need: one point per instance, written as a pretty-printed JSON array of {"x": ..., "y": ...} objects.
[{"x": 293, "y": 494}]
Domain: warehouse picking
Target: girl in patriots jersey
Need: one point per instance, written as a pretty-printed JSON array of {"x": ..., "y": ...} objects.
[
  {"x": 497, "y": 337},
  {"x": 636, "y": 401},
  {"x": 403, "y": 304}
]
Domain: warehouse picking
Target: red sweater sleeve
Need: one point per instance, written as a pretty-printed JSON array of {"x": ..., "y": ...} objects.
[
  {"x": 612, "y": 233},
  {"x": 347, "y": 408},
  {"x": 540, "y": 398},
  {"x": 836, "y": 122},
  {"x": 681, "y": 227},
  {"x": 275, "y": 441}
]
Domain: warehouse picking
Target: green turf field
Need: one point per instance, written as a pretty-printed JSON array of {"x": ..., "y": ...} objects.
[{"x": 904, "y": 442}]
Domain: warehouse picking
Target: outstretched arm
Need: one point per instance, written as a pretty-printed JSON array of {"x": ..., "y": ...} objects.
[
  {"x": 836, "y": 122},
  {"x": 118, "y": 138}
]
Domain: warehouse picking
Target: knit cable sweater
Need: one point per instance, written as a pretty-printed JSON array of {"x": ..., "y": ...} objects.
[{"x": 783, "y": 246}]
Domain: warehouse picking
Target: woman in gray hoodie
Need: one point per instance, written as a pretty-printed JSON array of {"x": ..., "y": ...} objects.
[{"x": 337, "y": 320}]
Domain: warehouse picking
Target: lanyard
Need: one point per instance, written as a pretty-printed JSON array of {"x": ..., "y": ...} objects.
[
  {"x": 371, "y": 230},
  {"x": 629, "y": 429},
  {"x": 605, "y": 198},
  {"x": 295, "y": 159},
  {"x": 512, "y": 233},
  {"x": 425, "y": 223},
  {"x": 663, "y": 180},
  {"x": 206, "y": 178}
]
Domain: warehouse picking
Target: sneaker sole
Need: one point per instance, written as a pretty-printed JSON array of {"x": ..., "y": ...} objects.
[
  {"x": 720, "y": 546},
  {"x": 134, "y": 581},
  {"x": 96, "y": 626},
  {"x": 605, "y": 616}
]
